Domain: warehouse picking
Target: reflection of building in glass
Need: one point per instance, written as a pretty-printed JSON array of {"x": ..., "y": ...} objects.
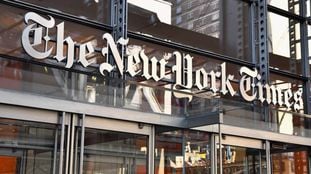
[{"x": 201, "y": 16}]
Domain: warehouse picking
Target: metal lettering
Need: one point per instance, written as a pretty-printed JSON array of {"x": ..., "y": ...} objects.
[
  {"x": 37, "y": 34},
  {"x": 201, "y": 78},
  {"x": 70, "y": 46},
  {"x": 183, "y": 70},
  {"x": 82, "y": 53},
  {"x": 116, "y": 55},
  {"x": 133, "y": 62},
  {"x": 245, "y": 83},
  {"x": 225, "y": 82},
  {"x": 298, "y": 102},
  {"x": 287, "y": 95}
]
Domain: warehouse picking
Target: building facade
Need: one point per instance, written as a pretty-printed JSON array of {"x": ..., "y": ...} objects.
[{"x": 155, "y": 86}]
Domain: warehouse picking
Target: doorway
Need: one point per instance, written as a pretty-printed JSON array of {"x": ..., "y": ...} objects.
[
  {"x": 113, "y": 146},
  {"x": 28, "y": 140},
  {"x": 289, "y": 158},
  {"x": 240, "y": 155}
]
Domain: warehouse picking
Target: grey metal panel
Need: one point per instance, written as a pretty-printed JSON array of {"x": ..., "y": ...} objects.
[
  {"x": 220, "y": 148},
  {"x": 268, "y": 156},
  {"x": 117, "y": 125},
  {"x": 265, "y": 135},
  {"x": 256, "y": 134},
  {"x": 82, "y": 143},
  {"x": 241, "y": 142},
  {"x": 207, "y": 119},
  {"x": 35, "y": 101},
  {"x": 305, "y": 59},
  {"x": 28, "y": 114},
  {"x": 151, "y": 148},
  {"x": 72, "y": 140},
  {"x": 62, "y": 143},
  {"x": 55, "y": 152}
]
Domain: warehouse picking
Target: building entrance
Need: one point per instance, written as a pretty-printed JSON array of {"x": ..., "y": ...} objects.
[
  {"x": 111, "y": 146},
  {"x": 289, "y": 158},
  {"x": 242, "y": 155},
  {"x": 243, "y": 160}
]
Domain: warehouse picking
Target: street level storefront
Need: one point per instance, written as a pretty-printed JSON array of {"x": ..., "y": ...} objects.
[{"x": 154, "y": 86}]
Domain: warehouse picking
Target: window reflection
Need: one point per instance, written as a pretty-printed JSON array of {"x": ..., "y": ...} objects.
[
  {"x": 26, "y": 147},
  {"x": 205, "y": 24},
  {"x": 243, "y": 160},
  {"x": 284, "y": 43},
  {"x": 97, "y": 10},
  {"x": 12, "y": 26},
  {"x": 114, "y": 152},
  {"x": 287, "y": 5},
  {"x": 289, "y": 158},
  {"x": 178, "y": 150}
]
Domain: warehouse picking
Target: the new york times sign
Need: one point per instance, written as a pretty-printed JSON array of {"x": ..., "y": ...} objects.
[{"x": 217, "y": 81}]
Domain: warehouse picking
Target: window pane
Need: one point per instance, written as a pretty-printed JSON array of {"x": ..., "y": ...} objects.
[
  {"x": 287, "y": 5},
  {"x": 289, "y": 159},
  {"x": 284, "y": 43},
  {"x": 26, "y": 146},
  {"x": 12, "y": 26},
  {"x": 114, "y": 152},
  {"x": 242, "y": 160},
  {"x": 97, "y": 10},
  {"x": 205, "y": 24},
  {"x": 176, "y": 149}
]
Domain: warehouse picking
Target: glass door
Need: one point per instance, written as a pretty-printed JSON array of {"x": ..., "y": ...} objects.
[
  {"x": 240, "y": 155},
  {"x": 289, "y": 158},
  {"x": 242, "y": 160},
  {"x": 29, "y": 141},
  {"x": 113, "y": 147},
  {"x": 26, "y": 147}
]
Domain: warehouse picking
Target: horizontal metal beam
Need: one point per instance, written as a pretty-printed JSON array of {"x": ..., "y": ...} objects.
[
  {"x": 257, "y": 134},
  {"x": 207, "y": 119},
  {"x": 27, "y": 114},
  {"x": 286, "y": 13},
  {"x": 288, "y": 74},
  {"x": 45, "y": 103}
]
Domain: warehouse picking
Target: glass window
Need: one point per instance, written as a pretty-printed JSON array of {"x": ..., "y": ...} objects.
[
  {"x": 289, "y": 158},
  {"x": 282, "y": 119},
  {"x": 114, "y": 152},
  {"x": 12, "y": 26},
  {"x": 178, "y": 149},
  {"x": 27, "y": 147},
  {"x": 284, "y": 43},
  {"x": 287, "y": 5},
  {"x": 97, "y": 10},
  {"x": 204, "y": 24},
  {"x": 243, "y": 160}
]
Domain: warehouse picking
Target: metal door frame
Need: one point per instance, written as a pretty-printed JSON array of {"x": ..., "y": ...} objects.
[
  {"x": 42, "y": 116},
  {"x": 100, "y": 123},
  {"x": 224, "y": 139}
]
